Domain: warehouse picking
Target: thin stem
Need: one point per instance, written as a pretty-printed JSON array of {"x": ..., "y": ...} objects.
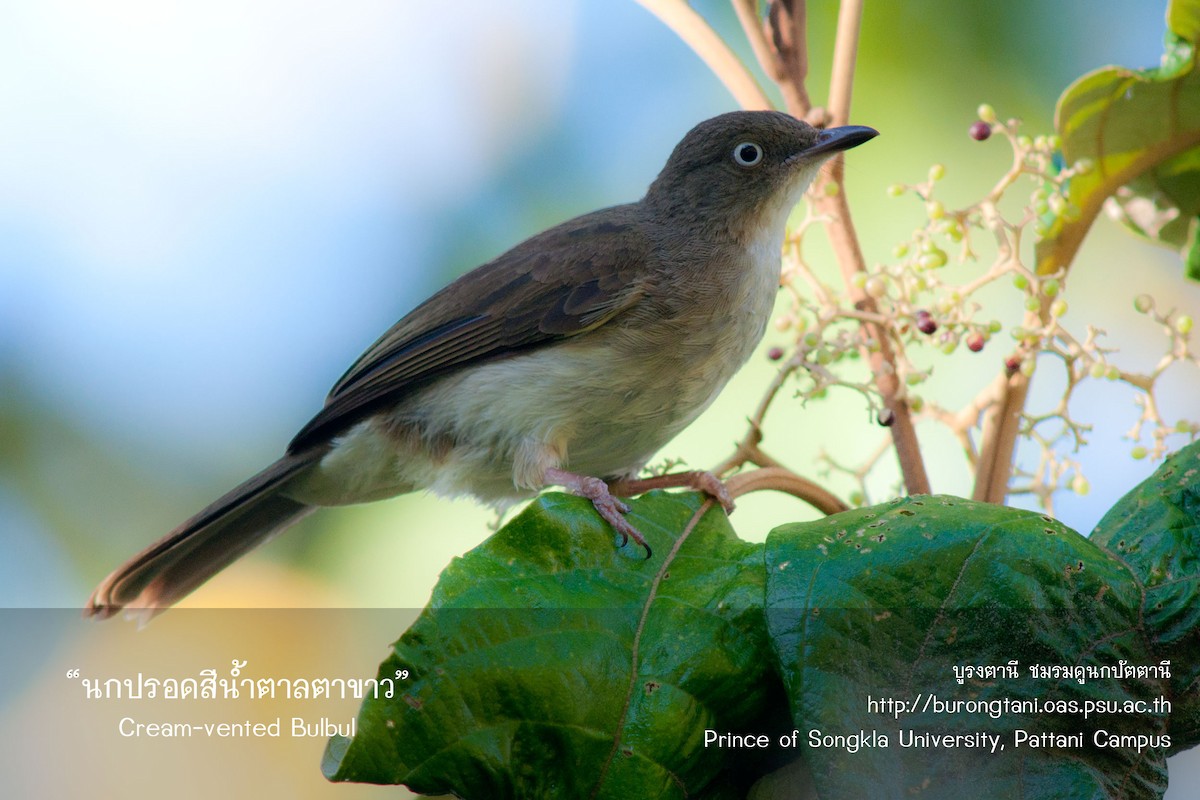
[
  {"x": 784, "y": 480},
  {"x": 845, "y": 55},
  {"x": 699, "y": 35},
  {"x": 752, "y": 24}
]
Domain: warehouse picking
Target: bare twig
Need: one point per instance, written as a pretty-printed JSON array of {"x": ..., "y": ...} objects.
[
  {"x": 840, "y": 227},
  {"x": 778, "y": 44},
  {"x": 1001, "y": 424},
  {"x": 784, "y": 480},
  {"x": 845, "y": 54},
  {"x": 699, "y": 35}
]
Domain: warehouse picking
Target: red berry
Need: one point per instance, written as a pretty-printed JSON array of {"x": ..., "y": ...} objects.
[
  {"x": 1011, "y": 365},
  {"x": 887, "y": 417},
  {"x": 925, "y": 322},
  {"x": 980, "y": 131},
  {"x": 975, "y": 342},
  {"x": 775, "y": 353}
]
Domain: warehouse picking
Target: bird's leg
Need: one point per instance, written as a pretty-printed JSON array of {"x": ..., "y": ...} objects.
[
  {"x": 697, "y": 480},
  {"x": 606, "y": 504}
]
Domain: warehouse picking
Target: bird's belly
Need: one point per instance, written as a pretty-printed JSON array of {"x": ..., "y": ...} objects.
[{"x": 600, "y": 407}]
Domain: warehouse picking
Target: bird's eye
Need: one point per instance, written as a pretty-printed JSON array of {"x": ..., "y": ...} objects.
[{"x": 747, "y": 154}]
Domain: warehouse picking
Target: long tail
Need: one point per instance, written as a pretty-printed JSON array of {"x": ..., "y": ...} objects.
[{"x": 171, "y": 568}]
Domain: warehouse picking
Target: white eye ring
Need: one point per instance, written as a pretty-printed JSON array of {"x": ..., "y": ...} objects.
[{"x": 747, "y": 154}]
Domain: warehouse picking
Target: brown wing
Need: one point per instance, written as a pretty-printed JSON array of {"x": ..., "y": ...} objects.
[{"x": 567, "y": 280}]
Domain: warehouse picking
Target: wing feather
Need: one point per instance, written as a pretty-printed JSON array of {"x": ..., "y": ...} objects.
[{"x": 568, "y": 280}]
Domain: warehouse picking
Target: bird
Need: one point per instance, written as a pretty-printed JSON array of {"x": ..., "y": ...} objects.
[{"x": 568, "y": 360}]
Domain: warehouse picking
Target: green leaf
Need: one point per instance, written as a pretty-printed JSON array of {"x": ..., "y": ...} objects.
[
  {"x": 882, "y": 603},
  {"x": 1155, "y": 529},
  {"x": 551, "y": 664},
  {"x": 1141, "y": 131},
  {"x": 1183, "y": 19}
]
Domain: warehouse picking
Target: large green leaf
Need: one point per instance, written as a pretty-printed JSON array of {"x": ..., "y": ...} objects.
[
  {"x": 551, "y": 664},
  {"x": 1141, "y": 130},
  {"x": 880, "y": 604},
  {"x": 1155, "y": 529}
]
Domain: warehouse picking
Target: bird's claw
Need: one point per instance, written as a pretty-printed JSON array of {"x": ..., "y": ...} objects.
[{"x": 609, "y": 507}]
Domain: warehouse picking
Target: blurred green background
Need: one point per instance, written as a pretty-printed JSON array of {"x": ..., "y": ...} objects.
[{"x": 209, "y": 209}]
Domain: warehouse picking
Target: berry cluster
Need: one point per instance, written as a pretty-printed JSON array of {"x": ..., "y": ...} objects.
[{"x": 928, "y": 299}]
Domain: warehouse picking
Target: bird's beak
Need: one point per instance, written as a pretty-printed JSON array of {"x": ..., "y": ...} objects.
[{"x": 835, "y": 140}]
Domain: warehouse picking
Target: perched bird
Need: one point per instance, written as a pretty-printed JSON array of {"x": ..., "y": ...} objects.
[{"x": 570, "y": 360}]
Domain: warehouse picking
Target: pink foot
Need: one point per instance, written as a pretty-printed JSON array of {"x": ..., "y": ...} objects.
[{"x": 610, "y": 509}]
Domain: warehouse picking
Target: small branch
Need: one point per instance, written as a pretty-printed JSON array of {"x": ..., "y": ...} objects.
[
  {"x": 787, "y": 23},
  {"x": 699, "y": 35},
  {"x": 1001, "y": 425},
  {"x": 784, "y": 480},
  {"x": 845, "y": 54},
  {"x": 788, "y": 64},
  {"x": 882, "y": 360},
  {"x": 753, "y": 27}
]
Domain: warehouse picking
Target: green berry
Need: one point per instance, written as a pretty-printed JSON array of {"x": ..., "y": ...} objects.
[
  {"x": 1138, "y": 453},
  {"x": 994, "y": 326},
  {"x": 1097, "y": 369},
  {"x": 1050, "y": 287},
  {"x": 986, "y": 113},
  {"x": 1143, "y": 303},
  {"x": 875, "y": 286},
  {"x": 1080, "y": 485},
  {"x": 1021, "y": 282},
  {"x": 934, "y": 259},
  {"x": 937, "y": 172},
  {"x": 935, "y": 210},
  {"x": 900, "y": 251},
  {"x": 895, "y": 190},
  {"x": 1183, "y": 324},
  {"x": 1032, "y": 304},
  {"x": 916, "y": 403},
  {"x": 1112, "y": 373},
  {"x": 1183, "y": 426},
  {"x": 1058, "y": 308}
]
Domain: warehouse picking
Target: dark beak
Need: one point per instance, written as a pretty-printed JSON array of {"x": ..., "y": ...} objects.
[{"x": 834, "y": 140}]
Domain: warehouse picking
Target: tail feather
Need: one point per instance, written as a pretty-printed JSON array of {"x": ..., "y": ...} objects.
[{"x": 223, "y": 532}]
